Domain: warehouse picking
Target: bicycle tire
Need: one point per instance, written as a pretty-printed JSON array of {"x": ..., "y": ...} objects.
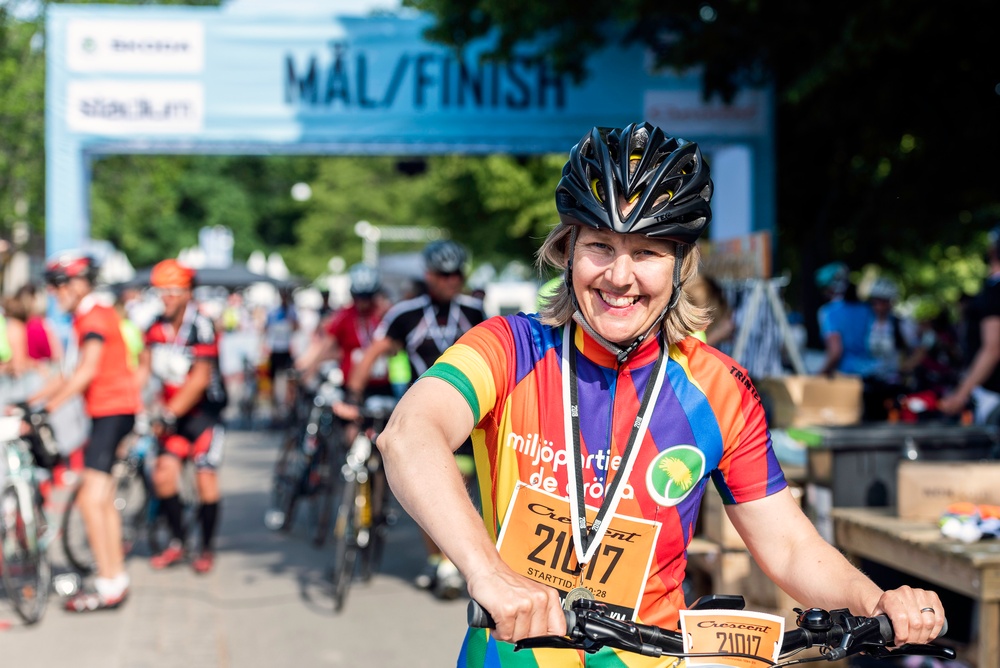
[
  {"x": 345, "y": 545},
  {"x": 287, "y": 481},
  {"x": 379, "y": 529},
  {"x": 327, "y": 470},
  {"x": 323, "y": 497},
  {"x": 26, "y": 572}
]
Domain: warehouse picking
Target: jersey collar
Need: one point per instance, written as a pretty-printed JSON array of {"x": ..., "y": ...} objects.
[{"x": 645, "y": 354}]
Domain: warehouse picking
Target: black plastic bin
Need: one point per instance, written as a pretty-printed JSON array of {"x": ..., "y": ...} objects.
[{"x": 856, "y": 466}]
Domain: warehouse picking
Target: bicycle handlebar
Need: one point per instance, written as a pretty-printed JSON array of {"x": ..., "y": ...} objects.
[{"x": 840, "y": 634}]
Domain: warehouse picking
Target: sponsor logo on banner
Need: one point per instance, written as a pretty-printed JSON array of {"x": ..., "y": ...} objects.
[
  {"x": 135, "y": 46},
  {"x": 674, "y": 473},
  {"x": 139, "y": 107}
]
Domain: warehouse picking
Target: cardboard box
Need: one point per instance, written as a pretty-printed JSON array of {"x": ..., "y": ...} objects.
[
  {"x": 725, "y": 570},
  {"x": 925, "y": 489},
  {"x": 804, "y": 401}
]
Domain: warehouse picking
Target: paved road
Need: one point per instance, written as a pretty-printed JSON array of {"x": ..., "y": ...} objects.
[{"x": 265, "y": 604}]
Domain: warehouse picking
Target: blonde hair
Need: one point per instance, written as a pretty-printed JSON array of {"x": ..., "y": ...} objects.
[{"x": 683, "y": 319}]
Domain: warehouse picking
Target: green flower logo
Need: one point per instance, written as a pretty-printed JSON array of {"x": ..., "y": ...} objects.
[
  {"x": 674, "y": 473},
  {"x": 89, "y": 44}
]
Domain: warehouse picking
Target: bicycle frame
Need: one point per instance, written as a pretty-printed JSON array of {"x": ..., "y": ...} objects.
[
  {"x": 20, "y": 474},
  {"x": 20, "y": 485}
]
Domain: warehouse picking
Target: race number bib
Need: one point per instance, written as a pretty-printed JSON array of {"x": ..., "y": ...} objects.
[
  {"x": 732, "y": 632},
  {"x": 537, "y": 542}
]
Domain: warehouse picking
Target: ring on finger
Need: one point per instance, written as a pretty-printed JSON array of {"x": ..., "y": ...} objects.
[{"x": 927, "y": 610}]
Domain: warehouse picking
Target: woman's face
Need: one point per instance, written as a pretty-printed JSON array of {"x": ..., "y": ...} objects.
[{"x": 622, "y": 281}]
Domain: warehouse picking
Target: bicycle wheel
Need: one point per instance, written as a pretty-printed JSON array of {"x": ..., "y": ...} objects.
[
  {"x": 132, "y": 503},
  {"x": 345, "y": 544},
  {"x": 326, "y": 469},
  {"x": 26, "y": 572},
  {"x": 286, "y": 485},
  {"x": 378, "y": 526},
  {"x": 75, "y": 544}
]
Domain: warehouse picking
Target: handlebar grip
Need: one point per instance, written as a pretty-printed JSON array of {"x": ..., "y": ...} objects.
[
  {"x": 479, "y": 618},
  {"x": 887, "y": 633}
]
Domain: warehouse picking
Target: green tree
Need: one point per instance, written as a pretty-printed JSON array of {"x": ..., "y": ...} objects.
[
  {"x": 886, "y": 111},
  {"x": 22, "y": 122},
  {"x": 497, "y": 205},
  {"x": 153, "y": 206}
]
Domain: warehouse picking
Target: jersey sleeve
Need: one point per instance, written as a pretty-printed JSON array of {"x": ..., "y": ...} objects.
[
  {"x": 478, "y": 365},
  {"x": 95, "y": 325},
  {"x": 748, "y": 469}
]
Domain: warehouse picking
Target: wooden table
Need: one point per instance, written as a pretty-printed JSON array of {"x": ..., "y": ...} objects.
[{"x": 918, "y": 548}]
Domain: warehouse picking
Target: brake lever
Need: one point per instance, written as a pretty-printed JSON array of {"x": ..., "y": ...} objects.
[
  {"x": 937, "y": 651},
  {"x": 556, "y": 642}
]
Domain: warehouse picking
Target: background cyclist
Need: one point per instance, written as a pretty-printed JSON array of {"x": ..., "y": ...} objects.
[
  {"x": 605, "y": 400},
  {"x": 425, "y": 327},
  {"x": 182, "y": 353},
  {"x": 97, "y": 357},
  {"x": 348, "y": 332}
]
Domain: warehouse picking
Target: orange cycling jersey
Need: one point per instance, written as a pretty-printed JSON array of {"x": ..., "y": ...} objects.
[{"x": 114, "y": 390}]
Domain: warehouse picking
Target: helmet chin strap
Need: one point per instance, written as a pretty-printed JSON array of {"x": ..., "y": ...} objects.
[{"x": 621, "y": 354}]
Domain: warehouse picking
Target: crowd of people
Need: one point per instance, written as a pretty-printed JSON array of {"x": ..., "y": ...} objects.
[
  {"x": 910, "y": 367},
  {"x": 608, "y": 378}
]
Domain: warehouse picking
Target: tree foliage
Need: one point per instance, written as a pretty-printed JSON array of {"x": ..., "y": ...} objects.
[
  {"x": 153, "y": 206},
  {"x": 886, "y": 111},
  {"x": 22, "y": 122}
]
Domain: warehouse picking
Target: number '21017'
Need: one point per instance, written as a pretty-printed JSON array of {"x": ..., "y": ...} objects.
[
  {"x": 738, "y": 643},
  {"x": 563, "y": 557}
]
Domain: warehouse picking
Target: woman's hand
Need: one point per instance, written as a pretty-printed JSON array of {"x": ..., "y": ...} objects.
[
  {"x": 917, "y": 615},
  {"x": 520, "y": 607}
]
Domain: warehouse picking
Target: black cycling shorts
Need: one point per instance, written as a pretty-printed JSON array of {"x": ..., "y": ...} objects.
[
  {"x": 106, "y": 434},
  {"x": 279, "y": 362}
]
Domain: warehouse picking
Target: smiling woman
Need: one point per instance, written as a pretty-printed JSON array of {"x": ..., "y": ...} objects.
[
  {"x": 622, "y": 282},
  {"x": 605, "y": 412}
]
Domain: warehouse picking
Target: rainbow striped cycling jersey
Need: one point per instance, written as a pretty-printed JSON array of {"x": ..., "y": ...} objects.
[{"x": 707, "y": 421}]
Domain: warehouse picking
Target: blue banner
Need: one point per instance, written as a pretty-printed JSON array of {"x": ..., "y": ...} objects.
[{"x": 202, "y": 80}]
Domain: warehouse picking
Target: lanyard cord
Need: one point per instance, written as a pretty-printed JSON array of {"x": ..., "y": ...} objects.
[
  {"x": 587, "y": 540},
  {"x": 446, "y": 338}
]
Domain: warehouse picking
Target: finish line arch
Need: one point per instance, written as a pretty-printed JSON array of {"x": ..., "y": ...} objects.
[{"x": 198, "y": 80}]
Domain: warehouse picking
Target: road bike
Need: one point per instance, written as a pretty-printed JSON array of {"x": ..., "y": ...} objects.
[
  {"x": 310, "y": 458},
  {"x": 24, "y": 531},
  {"x": 363, "y": 514},
  {"x": 134, "y": 501},
  {"x": 836, "y": 634}
]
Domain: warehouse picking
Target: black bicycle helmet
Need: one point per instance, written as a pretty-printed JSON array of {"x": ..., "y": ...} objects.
[
  {"x": 70, "y": 264},
  {"x": 365, "y": 280},
  {"x": 670, "y": 184},
  {"x": 444, "y": 257}
]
